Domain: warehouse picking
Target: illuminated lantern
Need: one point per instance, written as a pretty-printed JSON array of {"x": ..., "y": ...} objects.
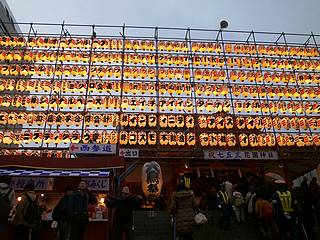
[
  {"x": 8, "y": 137},
  {"x": 162, "y": 74},
  {"x": 17, "y": 139},
  {"x": 204, "y": 139},
  {"x": 142, "y": 120},
  {"x": 162, "y": 104},
  {"x": 250, "y": 123},
  {"x": 316, "y": 140},
  {"x": 226, "y": 106},
  {"x": 262, "y": 140},
  {"x": 289, "y": 140},
  {"x": 151, "y": 179},
  {"x": 202, "y": 121},
  {"x": 218, "y": 106},
  {"x": 123, "y": 138},
  {"x": 152, "y": 104},
  {"x": 163, "y": 121},
  {"x": 142, "y": 138},
  {"x": 65, "y": 137},
  {"x": 113, "y": 137},
  {"x": 231, "y": 140},
  {"x": 152, "y": 138},
  {"x": 200, "y": 105},
  {"x": 186, "y": 74},
  {"x": 191, "y": 139},
  {"x": 27, "y": 137},
  {"x": 86, "y": 137},
  {"x": 181, "y": 139},
  {"x": 170, "y": 104},
  {"x": 243, "y": 140},
  {"x": 171, "y": 121},
  {"x": 75, "y": 137},
  {"x": 152, "y": 120},
  {"x": 258, "y": 123},
  {"x": 253, "y": 140},
  {"x": 47, "y": 137},
  {"x": 3, "y": 118},
  {"x": 172, "y": 138},
  {"x": 124, "y": 120},
  {"x": 213, "y": 139},
  {"x": 219, "y": 121},
  {"x": 189, "y": 121},
  {"x": 163, "y": 138},
  {"x": 77, "y": 119},
  {"x": 270, "y": 140},
  {"x": 240, "y": 122},
  {"x": 281, "y": 140},
  {"x": 238, "y": 106},
  {"x": 188, "y": 105},
  {"x": 222, "y": 139},
  {"x": 12, "y": 118},
  {"x": 247, "y": 106},
  {"x": 299, "y": 140}
]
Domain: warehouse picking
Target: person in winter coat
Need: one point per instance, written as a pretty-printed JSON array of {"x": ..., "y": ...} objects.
[
  {"x": 27, "y": 217},
  {"x": 124, "y": 205},
  {"x": 78, "y": 210},
  {"x": 184, "y": 207},
  {"x": 7, "y": 192}
]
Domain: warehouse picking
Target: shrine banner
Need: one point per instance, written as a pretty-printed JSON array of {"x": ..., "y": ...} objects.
[{"x": 242, "y": 155}]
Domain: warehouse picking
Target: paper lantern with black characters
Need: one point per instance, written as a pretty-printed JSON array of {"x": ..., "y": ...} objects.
[
  {"x": 179, "y": 121},
  {"x": 189, "y": 121},
  {"x": 75, "y": 137},
  {"x": 202, "y": 121},
  {"x": 270, "y": 140},
  {"x": 204, "y": 139},
  {"x": 151, "y": 179},
  {"x": 152, "y": 138},
  {"x": 172, "y": 138},
  {"x": 243, "y": 140},
  {"x": 191, "y": 139},
  {"x": 163, "y": 138},
  {"x": 113, "y": 137},
  {"x": 123, "y": 138}
]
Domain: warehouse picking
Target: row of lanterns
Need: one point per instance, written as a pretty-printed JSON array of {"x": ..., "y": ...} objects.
[
  {"x": 163, "y": 121},
  {"x": 137, "y": 87},
  {"x": 161, "y": 59},
  {"x": 164, "y": 138},
  {"x": 36, "y": 153},
  {"x": 163, "y": 104},
  {"x": 152, "y": 73},
  {"x": 150, "y": 45}
]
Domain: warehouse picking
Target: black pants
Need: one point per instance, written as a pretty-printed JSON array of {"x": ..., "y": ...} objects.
[
  {"x": 77, "y": 231},
  {"x": 123, "y": 228}
]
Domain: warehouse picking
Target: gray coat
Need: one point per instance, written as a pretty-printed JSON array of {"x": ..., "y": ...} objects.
[{"x": 184, "y": 206}]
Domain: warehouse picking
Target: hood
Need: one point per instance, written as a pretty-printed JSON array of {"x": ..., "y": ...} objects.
[
  {"x": 32, "y": 195},
  {"x": 4, "y": 186},
  {"x": 183, "y": 194}
]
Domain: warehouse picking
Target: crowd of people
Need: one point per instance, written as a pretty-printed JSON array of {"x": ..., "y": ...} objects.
[{"x": 275, "y": 209}]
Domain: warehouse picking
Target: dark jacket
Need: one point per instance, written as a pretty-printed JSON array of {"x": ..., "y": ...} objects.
[
  {"x": 184, "y": 206},
  {"x": 78, "y": 206},
  {"x": 21, "y": 210},
  {"x": 124, "y": 207}
]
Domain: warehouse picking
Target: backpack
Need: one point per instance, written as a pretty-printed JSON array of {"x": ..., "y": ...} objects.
[
  {"x": 266, "y": 211},
  {"x": 5, "y": 207},
  {"x": 32, "y": 214}
]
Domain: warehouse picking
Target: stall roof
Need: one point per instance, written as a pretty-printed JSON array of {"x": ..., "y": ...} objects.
[{"x": 54, "y": 173}]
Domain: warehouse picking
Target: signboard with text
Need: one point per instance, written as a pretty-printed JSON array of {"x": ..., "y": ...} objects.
[
  {"x": 97, "y": 184},
  {"x": 40, "y": 183},
  {"x": 129, "y": 153},
  {"x": 91, "y": 148},
  {"x": 226, "y": 154}
]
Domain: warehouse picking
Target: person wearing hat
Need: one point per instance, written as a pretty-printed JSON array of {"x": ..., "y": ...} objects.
[
  {"x": 284, "y": 205},
  {"x": 124, "y": 206}
]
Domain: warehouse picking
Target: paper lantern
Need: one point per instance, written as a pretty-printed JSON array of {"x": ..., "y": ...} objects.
[
  {"x": 202, "y": 121},
  {"x": 243, "y": 140},
  {"x": 281, "y": 140},
  {"x": 253, "y": 140},
  {"x": 17, "y": 139},
  {"x": 240, "y": 122},
  {"x": 231, "y": 140},
  {"x": 181, "y": 139},
  {"x": 299, "y": 140},
  {"x": 191, "y": 139},
  {"x": 316, "y": 140},
  {"x": 204, "y": 139},
  {"x": 209, "y": 106},
  {"x": 37, "y": 137},
  {"x": 152, "y": 104},
  {"x": 113, "y": 137},
  {"x": 151, "y": 179},
  {"x": 222, "y": 139},
  {"x": 142, "y": 138},
  {"x": 170, "y": 104},
  {"x": 270, "y": 140},
  {"x": 163, "y": 138},
  {"x": 172, "y": 138},
  {"x": 75, "y": 136},
  {"x": 213, "y": 139},
  {"x": 261, "y": 140},
  {"x": 8, "y": 137},
  {"x": 123, "y": 138},
  {"x": 189, "y": 121},
  {"x": 219, "y": 122},
  {"x": 152, "y": 138},
  {"x": 188, "y": 105}
]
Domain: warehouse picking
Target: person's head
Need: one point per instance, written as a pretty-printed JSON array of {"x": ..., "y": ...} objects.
[
  {"x": 281, "y": 185},
  {"x": 82, "y": 186},
  {"x": 223, "y": 186},
  {"x": 125, "y": 191},
  {"x": 5, "y": 179},
  {"x": 69, "y": 191},
  {"x": 29, "y": 186},
  {"x": 251, "y": 189}
]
